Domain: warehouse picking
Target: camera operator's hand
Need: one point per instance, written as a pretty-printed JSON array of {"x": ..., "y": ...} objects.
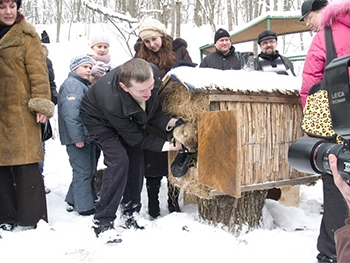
[{"x": 338, "y": 179}]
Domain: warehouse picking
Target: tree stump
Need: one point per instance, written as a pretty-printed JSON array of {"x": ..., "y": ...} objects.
[{"x": 233, "y": 213}]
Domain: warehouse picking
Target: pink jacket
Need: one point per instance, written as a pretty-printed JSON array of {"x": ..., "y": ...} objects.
[{"x": 336, "y": 14}]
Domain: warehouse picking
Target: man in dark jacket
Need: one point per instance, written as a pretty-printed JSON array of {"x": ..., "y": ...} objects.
[
  {"x": 269, "y": 59},
  {"x": 225, "y": 56},
  {"x": 115, "y": 111}
]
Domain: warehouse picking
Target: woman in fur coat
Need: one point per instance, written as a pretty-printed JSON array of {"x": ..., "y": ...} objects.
[{"x": 25, "y": 103}]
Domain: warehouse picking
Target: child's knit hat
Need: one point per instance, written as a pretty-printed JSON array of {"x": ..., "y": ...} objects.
[{"x": 80, "y": 60}]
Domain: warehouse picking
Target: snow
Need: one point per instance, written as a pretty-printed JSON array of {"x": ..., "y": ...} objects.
[
  {"x": 254, "y": 81},
  {"x": 287, "y": 234}
]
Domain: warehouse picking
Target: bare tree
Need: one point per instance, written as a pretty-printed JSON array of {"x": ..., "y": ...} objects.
[
  {"x": 229, "y": 15},
  {"x": 197, "y": 18},
  {"x": 59, "y": 19},
  {"x": 178, "y": 18}
]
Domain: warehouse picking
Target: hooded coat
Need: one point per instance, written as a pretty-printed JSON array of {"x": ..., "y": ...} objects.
[
  {"x": 24, "y": 91},
  {"x": 337, "y": 15}
]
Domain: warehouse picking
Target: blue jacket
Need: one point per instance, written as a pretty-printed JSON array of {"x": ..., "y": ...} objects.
[{"x": 71, "y": 93}]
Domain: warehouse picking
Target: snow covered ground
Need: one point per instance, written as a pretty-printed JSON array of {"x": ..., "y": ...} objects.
[{"x": 287, "y": 234}]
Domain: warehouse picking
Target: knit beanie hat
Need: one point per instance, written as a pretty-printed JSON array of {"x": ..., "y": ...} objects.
[
  {"x": 267, "y": 34},
  {"x": 152, "y": 28},
  {"x": 99, "y": 39},
  {"x": 220, "y": 34},
  {"x": 80, "y": 60},
  {"x": 19, "y": 3}
]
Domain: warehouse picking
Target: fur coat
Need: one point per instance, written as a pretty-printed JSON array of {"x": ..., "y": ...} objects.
[{"x": 24, "y": 91}]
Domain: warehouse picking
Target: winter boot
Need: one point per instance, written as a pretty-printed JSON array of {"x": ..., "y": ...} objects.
[
  {"x": 106, "y": 233},
  {"x": 132, "y": 223},
  {"x": 173, "y": 196},
  {"x": 153, "y": 185}
]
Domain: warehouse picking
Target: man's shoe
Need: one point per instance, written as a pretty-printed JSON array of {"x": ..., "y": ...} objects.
[
  {"x": 6, "y": 226},
  {"x": 69, "y": 207},
  {"x": 132, "y": 223},
  {"x": 107, "y": 234},
  {"x": 325, "y": 259}
]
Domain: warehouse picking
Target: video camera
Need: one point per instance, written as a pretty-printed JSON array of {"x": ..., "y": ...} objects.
[{"x": 310, "y": 155}]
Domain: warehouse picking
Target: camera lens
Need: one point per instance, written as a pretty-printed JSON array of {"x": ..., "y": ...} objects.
[
  {"x": 301, "y": 154},
  {"x": 310, "y": 155}
]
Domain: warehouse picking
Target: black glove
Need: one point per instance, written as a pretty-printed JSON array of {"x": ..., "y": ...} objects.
[{"x": 181, "y": 163}]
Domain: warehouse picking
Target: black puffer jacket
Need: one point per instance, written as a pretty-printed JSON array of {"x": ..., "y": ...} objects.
[{"x": 217, "y": 60}]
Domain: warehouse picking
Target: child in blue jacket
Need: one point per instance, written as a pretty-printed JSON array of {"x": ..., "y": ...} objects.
[{"x": 79, "y": 145}]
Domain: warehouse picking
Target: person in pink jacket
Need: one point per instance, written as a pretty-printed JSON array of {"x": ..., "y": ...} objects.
[{"x": 337, "y": 15}]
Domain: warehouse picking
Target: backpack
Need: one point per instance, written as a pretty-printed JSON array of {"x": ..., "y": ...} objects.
[{"x": 316, "y": 121}]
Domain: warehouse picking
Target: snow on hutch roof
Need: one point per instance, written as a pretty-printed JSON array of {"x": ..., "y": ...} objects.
[{"x": 197, "y": 79}]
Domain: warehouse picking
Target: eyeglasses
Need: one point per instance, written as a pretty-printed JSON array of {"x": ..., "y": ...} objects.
[{"x": 270, "y": 42}]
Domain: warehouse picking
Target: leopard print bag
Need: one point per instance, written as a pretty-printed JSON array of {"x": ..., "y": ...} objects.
[{"x": 317, "y": 121}]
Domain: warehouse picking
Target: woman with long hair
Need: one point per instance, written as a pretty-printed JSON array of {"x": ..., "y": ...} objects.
[{"x": 157, "y": 47}]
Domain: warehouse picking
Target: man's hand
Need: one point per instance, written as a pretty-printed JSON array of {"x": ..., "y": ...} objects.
[
  {"x": 79, "y": 144},
  {"x": 338, "y": 179},
  {"x": 175, "y": 146}
]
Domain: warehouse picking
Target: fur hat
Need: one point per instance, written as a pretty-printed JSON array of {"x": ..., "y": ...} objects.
[
  {"x": 311, "y": 5},
  {"x": 267, "y": 34},
  {"x": 220, "y": 33},
  {"x": 19, "y": 3},
  {"x": 152, "y": 28},
  {"x": 80, "y": 60},
  {"x": 98, "y": 39}
]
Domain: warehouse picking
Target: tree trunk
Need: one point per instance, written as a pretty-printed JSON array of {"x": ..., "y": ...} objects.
[
  {"x": 196, "y": 14},
  {"x": 59, "y": 19},
  {"x": 233, "y": 213},
  {"x": 178, "y": 19},
  {"x": 229, "y": 15}
]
